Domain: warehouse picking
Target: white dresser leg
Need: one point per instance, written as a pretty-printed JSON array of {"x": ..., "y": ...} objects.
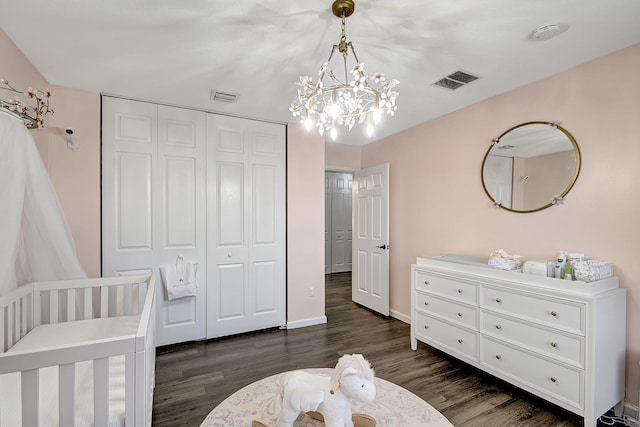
[{"x": 414, "y": 344}]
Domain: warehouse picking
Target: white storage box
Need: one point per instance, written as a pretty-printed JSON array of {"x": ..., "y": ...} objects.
[
  {"x": 538, "y": 268},
  {"x": 592, "y": 270}
]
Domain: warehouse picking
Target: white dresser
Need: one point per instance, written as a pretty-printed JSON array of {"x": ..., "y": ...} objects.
[{"x": 562, "y": 341}]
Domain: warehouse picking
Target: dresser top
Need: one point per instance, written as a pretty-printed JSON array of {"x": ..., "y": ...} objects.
[{"x": 477, "y": 266}]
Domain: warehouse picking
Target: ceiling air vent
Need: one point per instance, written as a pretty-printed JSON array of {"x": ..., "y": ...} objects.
[
  {"x": 216, "y": 95},
  {"x": 456, "y": 80}
]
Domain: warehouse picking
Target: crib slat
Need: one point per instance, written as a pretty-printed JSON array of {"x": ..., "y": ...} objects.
[
  {"x": 67, "y": 381},
  {"x": 16, "y": 322},
  {"x": 101, "y": 392},
  {"x": 135, "y": 289},
  {"x": 10, "y": 328},
  {"x": 53, "y": 306},
  {"x": 24, "y": 309},
  {"x": 129, "y": 389},
  {"x": 3, "y": 332},
  {"x": 118, "y": 301},
  {"x": 29, "y": 388},
  {"x": 104, "y": 301},
  {"x": 88, "y": 303},
  {"x": 71, "y": 305},
  {"x": 126, "y": 307}
]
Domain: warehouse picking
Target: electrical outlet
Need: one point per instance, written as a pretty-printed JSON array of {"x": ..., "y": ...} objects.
[{"x": 312, "y": 291}]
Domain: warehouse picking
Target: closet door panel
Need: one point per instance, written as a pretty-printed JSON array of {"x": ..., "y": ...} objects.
[
  {"x": 246, "y": 221},
  {"x": 231, "y": 297},
  {"x": 182, "y": 204},
  {"x": 230, "y": 204},
  {"x": 266, "y": 287},
  {"x": 180, "y": 207},
  {"x": 129, "y": 169},
  {"x": 133, "y": 201},
  {"x": 264, "y": 205}
]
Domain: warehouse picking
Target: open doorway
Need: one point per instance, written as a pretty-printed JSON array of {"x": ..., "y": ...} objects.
[{"x": 338, "y": 223}]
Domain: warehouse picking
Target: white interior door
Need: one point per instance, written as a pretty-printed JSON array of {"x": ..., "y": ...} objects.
[
  {"x": 153, "y": 200},
  {"x": 245, "y": 225},
  {"x": 370, "y": 285},
  {"x": 341, "y": 222}
]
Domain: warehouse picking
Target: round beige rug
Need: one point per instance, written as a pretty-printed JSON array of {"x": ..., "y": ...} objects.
[{"x": 393, "y": 407}]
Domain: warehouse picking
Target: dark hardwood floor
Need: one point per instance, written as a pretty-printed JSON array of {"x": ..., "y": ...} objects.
[{"x": 192, "y": 378}]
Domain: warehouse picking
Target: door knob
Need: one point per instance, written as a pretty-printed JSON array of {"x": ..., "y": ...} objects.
[{"x": 382, "y": 247}]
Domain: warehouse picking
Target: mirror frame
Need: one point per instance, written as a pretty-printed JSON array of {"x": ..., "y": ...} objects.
[{"x": 552, "y": 201}]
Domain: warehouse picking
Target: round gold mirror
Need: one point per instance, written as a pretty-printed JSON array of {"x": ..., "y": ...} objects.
[{"x": 531, "y": 167}]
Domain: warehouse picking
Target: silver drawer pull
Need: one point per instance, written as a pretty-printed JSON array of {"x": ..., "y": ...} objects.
[
  {"x": 498, "y": 300},
  {"x": 553, "y": 344},
  {"x": 498, "y": 357},
  {"x": 459, "y": 291},
  {"x": 554, "y": 313},
  {"x": 426, "y": 303},
  {"x": 459, "y": 314},
  {"x": 498, "y": 326},
  {"x": 426, "y": 282},
  {"x": 426, "y": 327},
  {"x": 460, "y": 341},
  {"x": 553, "y": 379}
]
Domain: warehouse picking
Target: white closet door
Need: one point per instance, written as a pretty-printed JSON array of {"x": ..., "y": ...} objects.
[
  {"x": 129, "y": 169},
  {"x": 182, "y": 228},
  {"x": 246, "y": 288},
  {"x": 153, "y": 201}
]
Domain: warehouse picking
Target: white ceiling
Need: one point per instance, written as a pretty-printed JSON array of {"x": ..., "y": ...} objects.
[{"x": 176, "y": 52}]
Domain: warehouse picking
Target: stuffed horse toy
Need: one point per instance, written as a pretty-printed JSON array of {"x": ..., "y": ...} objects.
[{"x": 326, "y": 397}]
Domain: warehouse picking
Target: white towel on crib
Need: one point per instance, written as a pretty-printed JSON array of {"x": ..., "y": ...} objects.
[{"x": 180, "y": 279}]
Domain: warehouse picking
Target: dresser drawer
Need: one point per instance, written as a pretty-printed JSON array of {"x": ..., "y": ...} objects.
[
  {"x": 554, "y": 380},
  {"x": 546, "y": 310},
  {"x": 451, "y": 310},
  {"x": 454, "y": 339},
  {"x": 461, "y": 291},
  {"x": 552, "y": 343}
]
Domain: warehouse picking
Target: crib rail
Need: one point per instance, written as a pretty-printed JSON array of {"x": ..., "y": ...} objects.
[
  {"x": 16, "y": 316},
  {"x": 65, "y": 301},
  {"x": 83, "y": 299}
]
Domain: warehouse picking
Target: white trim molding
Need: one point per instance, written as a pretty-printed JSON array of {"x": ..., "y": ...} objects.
[{"x": 303, "y": 323}]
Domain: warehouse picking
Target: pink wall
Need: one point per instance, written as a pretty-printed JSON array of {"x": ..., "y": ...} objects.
[
  {"x": 305, "y": 224},
  {"x": 340, "y": 157},
  {"x": 437, "y": 202},
  {"x": 76, "y": 174}
]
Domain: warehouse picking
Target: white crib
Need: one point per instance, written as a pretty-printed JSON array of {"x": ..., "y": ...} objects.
[{"x": 78, "y": 353}]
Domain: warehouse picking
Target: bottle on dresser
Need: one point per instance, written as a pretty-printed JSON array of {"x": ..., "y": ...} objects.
[{"x": 559, "y": 268}]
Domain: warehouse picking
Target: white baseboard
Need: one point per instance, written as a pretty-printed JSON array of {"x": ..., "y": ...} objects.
[
  {"x": 400, "y": 316},
  {"x": 307, "y": 322},
  {"x": 631, "y": 411}
]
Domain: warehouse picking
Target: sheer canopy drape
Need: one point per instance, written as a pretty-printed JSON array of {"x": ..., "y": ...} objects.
[{"x": 35, "y": 241}]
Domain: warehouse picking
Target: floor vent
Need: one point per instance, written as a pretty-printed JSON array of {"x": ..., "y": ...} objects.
[
  {"x": 455, "y": 80},
  {"x": 224, "y": 96}
]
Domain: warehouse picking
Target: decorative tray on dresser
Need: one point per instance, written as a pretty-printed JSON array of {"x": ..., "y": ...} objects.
[{"x": 561, "y": 340}]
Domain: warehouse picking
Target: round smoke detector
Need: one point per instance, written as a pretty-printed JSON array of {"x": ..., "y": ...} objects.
[{"x": 548, "y": 31}]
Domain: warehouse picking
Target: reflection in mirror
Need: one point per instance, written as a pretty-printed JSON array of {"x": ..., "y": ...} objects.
[{"x": 530, "y": 166}]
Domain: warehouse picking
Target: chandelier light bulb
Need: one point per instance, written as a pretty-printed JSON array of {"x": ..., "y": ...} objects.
[
  {"x": 377, "y": 116},
  {"x": 331, "y": 101},
  {"x": 369, "y": 130},
  {"x": 308, "y": 124}
]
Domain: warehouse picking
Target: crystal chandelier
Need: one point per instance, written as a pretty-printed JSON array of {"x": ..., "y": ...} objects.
[{"x": 358, "y": 98}]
